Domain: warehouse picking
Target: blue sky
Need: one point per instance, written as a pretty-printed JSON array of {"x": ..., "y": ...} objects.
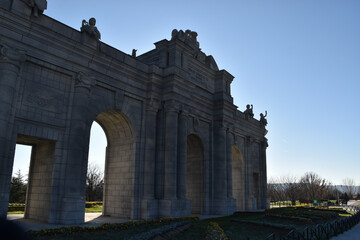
[{"x": 299, "y": 60}]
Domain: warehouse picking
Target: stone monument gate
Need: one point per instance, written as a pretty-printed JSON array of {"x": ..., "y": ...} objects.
[{"x": 177, "y": 145}]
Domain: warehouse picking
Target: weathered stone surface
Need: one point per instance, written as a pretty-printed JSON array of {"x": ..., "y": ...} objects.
[{"x": 177, "y": 145}]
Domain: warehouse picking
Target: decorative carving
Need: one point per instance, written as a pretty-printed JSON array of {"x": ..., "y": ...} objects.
[
  {"x": 249, "y": 139},
  {"x": 264, "y": 144},
  {"x": 90, "y": 28},
  {"x": 153, "y": 105},
  {"x": 249, "y": 111},
  {"x": 37, "y": 6},
  {"x": 41, "y": 101},
  {"x": 171, "y": 106},
  {"x": 133, "y": 54},
  {"x": 263, "y": 120},
  {"x": 11, "y": 54},
  {"x": 83, "y": 80},
  {"x": 188, "y": 36}
]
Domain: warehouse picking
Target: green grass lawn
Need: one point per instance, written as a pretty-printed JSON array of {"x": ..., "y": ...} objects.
[
  {"x": 96, "y": 208},
  {"x": 93, "y": 209},
  {"x": 241, "y": 226}
]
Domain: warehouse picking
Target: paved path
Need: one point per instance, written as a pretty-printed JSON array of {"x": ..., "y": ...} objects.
[
  {"x": 91, "y": 220},
  {"x": 352, "y": 234}
]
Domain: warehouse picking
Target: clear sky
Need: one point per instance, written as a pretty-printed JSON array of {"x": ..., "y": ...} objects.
[{"x": 297, "y": 59}]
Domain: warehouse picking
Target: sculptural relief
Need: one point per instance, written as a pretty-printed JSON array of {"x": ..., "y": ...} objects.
[{"x": 10, "y": 54}]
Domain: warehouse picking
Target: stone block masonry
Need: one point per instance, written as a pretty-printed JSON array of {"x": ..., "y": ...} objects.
[{"x": 177, "y": 145}]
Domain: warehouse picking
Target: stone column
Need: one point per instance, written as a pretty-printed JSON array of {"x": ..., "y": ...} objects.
[
  {"x": 248, "y": 176},
  {"x": 263, "y": 183},
  {"x": 182, "y": 149},
  {"x": 149, "y": 204},
  {"x": 229, "y": 140},
  {"x": 77, "y": 153},
  {"x": 10, "y": 64},
  {"x": 171, "y": 136},
  {"x": 219, "y": 180}
]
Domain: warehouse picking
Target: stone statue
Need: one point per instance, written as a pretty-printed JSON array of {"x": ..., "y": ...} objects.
[
  {"x": 133, "y": 54},
  {"x": 249, "y": 111},
  {"x": 38, "y": 6},
  {"x": 187, "y": 36},
  {"x": 263, "y": 120},
  {"x": 90, "y": 28}
]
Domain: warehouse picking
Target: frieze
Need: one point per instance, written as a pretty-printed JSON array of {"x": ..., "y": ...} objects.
[
  {"x": 41, "y": 101},
  {"x": 11, "y": 54},
  {"x": 198, "y": 77},
  {"x": 84, "y": 80}
]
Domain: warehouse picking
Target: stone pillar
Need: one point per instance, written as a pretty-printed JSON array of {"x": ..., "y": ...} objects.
[
  {"x": 171, "y": 206},
  {"x": 149, "y": 204},
  {"x": 182, "y": 149},
  {"x": 220, "y": 179},
  {"x": 229, "y": 139},
  {"x": 248, "y": 176},
  {"x": 263, "y": 175},
  {"x": 73, "y": 208},
  {"x": 231, "y": 202},
  {"x": 10, "y": 64},
  {"x": 171, "y": 136}
]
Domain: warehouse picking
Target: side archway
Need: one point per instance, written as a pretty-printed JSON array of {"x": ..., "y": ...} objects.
[
  {"x": 119, "y": 173},
  {"x": 238, "y": 178},
  {"x": 195, "y": 165}
]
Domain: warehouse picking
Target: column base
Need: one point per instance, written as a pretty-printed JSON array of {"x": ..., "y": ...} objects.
[
  {"x": 149, "y": 208},
  {"x": 73, "y": 210},
  {"x": 251, "y": 203},
  {"x": 174, "y": 207},
  {"x": 224, "y": 206}
]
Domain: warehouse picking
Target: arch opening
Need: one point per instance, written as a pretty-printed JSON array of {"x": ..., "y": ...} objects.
[
  {"x": 195, "y": 187},
  {"x": 39, "y": 176},
  {"x": 238, "y": 178},
  {"x": 119, "y": 164}
]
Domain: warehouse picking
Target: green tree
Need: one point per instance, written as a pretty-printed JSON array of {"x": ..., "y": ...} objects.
[{"x": 18, "y": 188}]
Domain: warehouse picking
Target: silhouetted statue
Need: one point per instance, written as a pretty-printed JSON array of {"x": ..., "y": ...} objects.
[
  {"x": 263, "y": 120},
  {"x": 38, "y": 6},
  {"x": 249, "y": 111},
  {"x": 133, "y": 54},
  {"x": 187, "y": 36},
  {"x": 90, "y": 28}
]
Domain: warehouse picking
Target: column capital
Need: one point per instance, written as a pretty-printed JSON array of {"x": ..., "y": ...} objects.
[
  {"x": 264, "y": 144},
  {"x": 184, "y": 110},
  {"x": 153, "y": 105},
  {"x": 11, "y": 55},
  {"x": 172, "y": 106},
  {"x": 83, "y": 80},
  {"x": 250, "y": 140}
]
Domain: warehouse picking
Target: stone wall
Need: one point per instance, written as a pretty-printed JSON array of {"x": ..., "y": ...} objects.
[{"x": 177, "y": 145}]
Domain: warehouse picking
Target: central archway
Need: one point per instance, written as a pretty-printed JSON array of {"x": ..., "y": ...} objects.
[
  {"x": 195, "y": 190},
  {"x": 238, "y": 178},
  {"x": 119, "y": 164}
]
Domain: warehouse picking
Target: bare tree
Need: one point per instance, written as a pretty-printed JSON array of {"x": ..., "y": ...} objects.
[
  {"x": 313, "y": 187},
  {"x": 349, "y": 187},
  {"x": 275, "y": 191},
  {"x": 94, "y": 183},
  {"x": 291, "y": 188}
]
